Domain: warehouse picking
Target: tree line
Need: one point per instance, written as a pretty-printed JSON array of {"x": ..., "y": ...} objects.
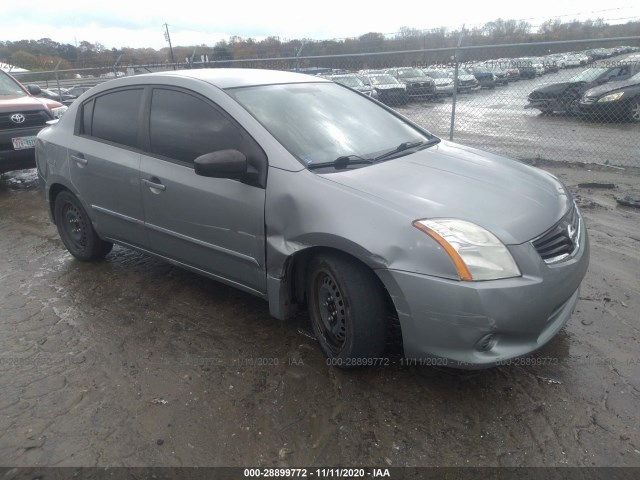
[{"x": 46, "y": 54}]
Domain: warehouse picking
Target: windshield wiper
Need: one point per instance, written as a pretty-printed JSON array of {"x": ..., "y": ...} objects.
[
  {"x": 341, "y": 162},
  {"x": 418, "y": 144}
]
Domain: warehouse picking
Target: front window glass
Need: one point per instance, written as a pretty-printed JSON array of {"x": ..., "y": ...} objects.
[
  {"x": 319, "y": 122},
  {"x": 588, "y": 75},
  {"x": 9, "y": 87},
  {"x": 183, "y": 127}
]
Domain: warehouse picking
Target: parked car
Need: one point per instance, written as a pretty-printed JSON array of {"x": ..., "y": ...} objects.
[
  {"x": 418, "y": 84},
  {"x": 466, "y": 81},
  {"x": 389, "y": 89},
  {"x": 442, "y": 81},
  {"x": 22, "y": 116},
  {"x": 500, "y": 76},
  {"x": 565, "y": 96},
  {"x": 525, "y": 67},
  {"x": 355, "y": 82},
  {"x": 486, "y": 78},
  {"x": 52, "y": 95},
  {"x": 571, "y": 61},
  {"x": 77, "y": 90},
  {"x": 304, "y": 193},
  {"x": 615, "y": 100}
]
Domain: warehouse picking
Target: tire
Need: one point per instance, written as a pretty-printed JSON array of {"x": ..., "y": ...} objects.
[
  {"x": 571, "y": 105},
  {"x": 634, "y": 110},
  {"x": 347, "y": 308},
  {"x": 76, "y": 231}
]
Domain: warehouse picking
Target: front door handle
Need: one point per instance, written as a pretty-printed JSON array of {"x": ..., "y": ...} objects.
[
  {"x": 80, "y": 160},
  {"x": 154, "y": 184}
]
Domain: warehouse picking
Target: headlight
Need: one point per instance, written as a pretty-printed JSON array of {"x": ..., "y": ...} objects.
[
  {"x": 612, "y": 97},
  {"x": 59, "y": 111},
  {"x": 476, "y": 253}
]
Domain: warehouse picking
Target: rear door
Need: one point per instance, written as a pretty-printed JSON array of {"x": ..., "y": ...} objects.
[
  {"x": 104, "y": 160},
  {"x": 214, "y": 225}
]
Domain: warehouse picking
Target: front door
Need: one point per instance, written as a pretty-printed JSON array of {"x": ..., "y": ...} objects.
[{"x": 215, "y": 225}]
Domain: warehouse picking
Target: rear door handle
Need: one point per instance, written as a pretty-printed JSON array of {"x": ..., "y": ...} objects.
[
  {"x": 80, "y": 160},
  {"x": 154, "y": 184}
]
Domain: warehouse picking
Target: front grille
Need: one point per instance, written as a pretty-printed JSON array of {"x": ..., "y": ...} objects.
[
  {"x": 37, "y": 118},
  {"x": 560, "y": 240},
  {"x": 588, "y": 100}
]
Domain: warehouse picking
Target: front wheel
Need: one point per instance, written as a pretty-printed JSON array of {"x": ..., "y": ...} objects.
[
  {"x": 76, "y": 231},
  {"x": 634, "y": 110},
  {"x": 347, "y": 308}
]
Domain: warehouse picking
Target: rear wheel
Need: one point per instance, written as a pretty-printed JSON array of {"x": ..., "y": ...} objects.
[
  {"x": 347, "y": 308},
  {"x": 76, "y": 231}
]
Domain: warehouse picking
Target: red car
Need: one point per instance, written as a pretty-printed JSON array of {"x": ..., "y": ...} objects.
[{"x": 22, "y": 116}]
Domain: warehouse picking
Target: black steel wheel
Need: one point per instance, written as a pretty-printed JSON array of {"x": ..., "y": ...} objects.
[
  {"x": 76, "y": 231},
  {"x": 634, "y": 110},
  {"x": 347, "y": 308}
]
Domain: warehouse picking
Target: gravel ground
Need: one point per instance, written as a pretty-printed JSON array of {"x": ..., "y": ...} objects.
[{"x": 132, "y": 362}]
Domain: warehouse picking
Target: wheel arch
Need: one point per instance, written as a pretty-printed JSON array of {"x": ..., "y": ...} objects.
[{"x": 292, "y": 295}]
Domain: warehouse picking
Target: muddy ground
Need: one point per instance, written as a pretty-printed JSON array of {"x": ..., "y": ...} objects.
[{"x": 132, "y": 362}]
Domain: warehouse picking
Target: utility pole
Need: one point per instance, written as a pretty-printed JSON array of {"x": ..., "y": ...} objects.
[{"x": 167, "y": 37}]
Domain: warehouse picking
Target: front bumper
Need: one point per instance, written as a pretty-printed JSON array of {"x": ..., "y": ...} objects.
[
  {"x": 481, "y": 324},
  {"x": 11, "y": 159},
  {"x": 446, "y": 89},
  {"x": 546, "y": 103},
  {"x": 605, "y": 110}
]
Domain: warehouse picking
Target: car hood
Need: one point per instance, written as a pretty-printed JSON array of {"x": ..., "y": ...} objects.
[
  {"x": 555, "y": 87},
  {"x": 611, "y": 87},
  {"x": 513, "y": 201},
  {"x": 11, "y": 101},
  {"x": 443, "y": 81},
  {"x": 466, "y": 77},
  {"x": 416, "y": 80}
]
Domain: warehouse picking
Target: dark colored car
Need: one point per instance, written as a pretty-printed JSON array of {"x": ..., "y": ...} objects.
[
  {"x": 501, "y": 76},
  {"x": 565, "y": 96},
  {"x": 77, "y": 90},
  {"x": 21, "y": 117},
  {"x": 617, "y": 100},
  {"x": 389, "y": 89},
  {"x": 485, "y": 77},
  {"x": 54, "y": 95},
  {"x": 418, "y": 84}
]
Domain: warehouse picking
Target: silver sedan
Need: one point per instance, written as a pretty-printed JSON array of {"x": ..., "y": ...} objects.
[{"x": 310, "y": 195}]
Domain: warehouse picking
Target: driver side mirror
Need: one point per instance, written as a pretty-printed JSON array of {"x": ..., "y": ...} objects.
[
  {"x": 221, "y": 164},
  {"x": 34, "y": 90}
]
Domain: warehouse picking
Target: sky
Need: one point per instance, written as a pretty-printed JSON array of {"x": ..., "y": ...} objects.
[{"x": 139, "y": 23}]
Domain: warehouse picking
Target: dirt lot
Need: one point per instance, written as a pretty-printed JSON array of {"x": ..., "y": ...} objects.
[{"x": 132, "y": 362}]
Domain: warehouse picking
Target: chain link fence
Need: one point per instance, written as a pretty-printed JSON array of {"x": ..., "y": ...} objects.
[{"x": 576, "y": 101}]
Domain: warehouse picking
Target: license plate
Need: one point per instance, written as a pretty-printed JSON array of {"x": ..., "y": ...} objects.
[{"x": 20, "y": 143}]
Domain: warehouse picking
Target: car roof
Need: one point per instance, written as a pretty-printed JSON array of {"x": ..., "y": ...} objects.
[{"x": 239, "y": 77}]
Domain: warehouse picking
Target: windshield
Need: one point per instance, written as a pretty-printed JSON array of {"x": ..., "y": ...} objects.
[
  {"x": 349, "y": 81},
  {"x": 382, "y": 79},
  {"x": 8, "y": 86},
  {"x": 320, "y": 122},
  {"x": 410, "y": 73},
  {"x": 588, "y": 75}
]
